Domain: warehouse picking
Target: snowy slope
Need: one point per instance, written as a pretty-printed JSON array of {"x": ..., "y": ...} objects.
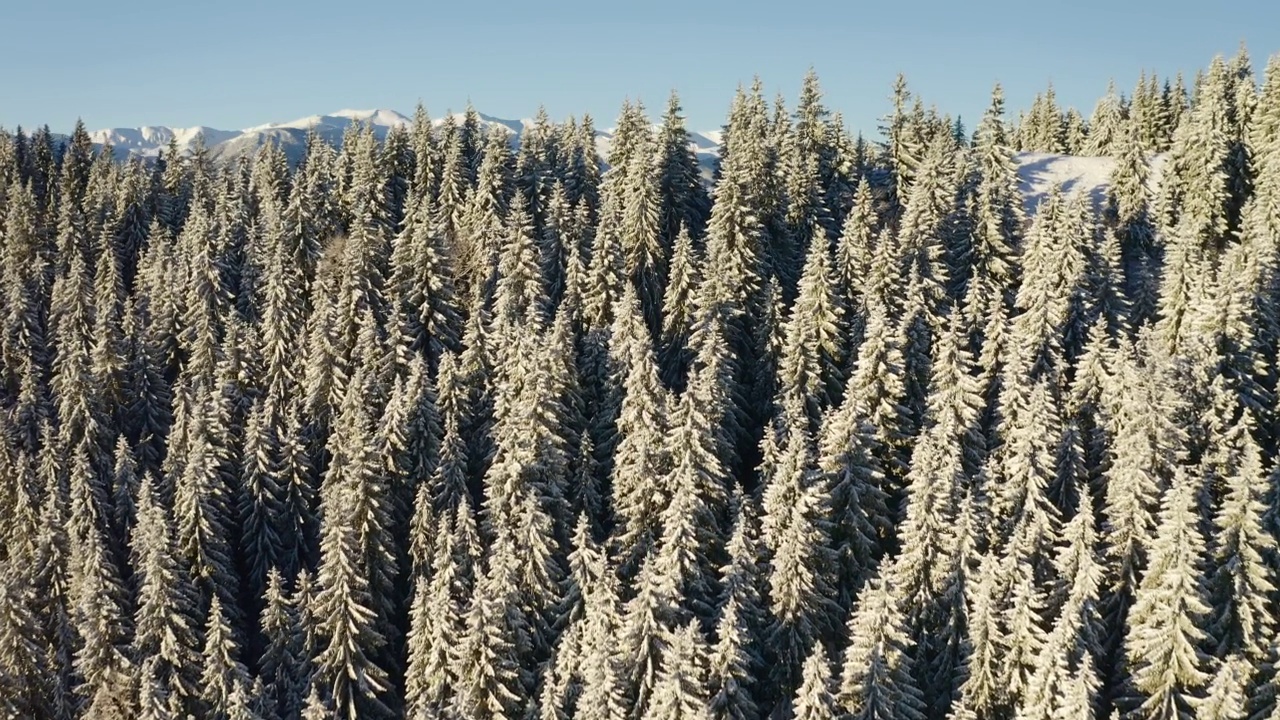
[{"x": 1039, "y": 172}]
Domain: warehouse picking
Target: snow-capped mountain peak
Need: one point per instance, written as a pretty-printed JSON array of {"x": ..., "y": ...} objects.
[
  {"x": 1037, "y": 172},
  {"x": 148, "y": 141}
]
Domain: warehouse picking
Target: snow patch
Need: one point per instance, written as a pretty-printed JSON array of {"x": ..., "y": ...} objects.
[{"x": 1038, "y": 173}]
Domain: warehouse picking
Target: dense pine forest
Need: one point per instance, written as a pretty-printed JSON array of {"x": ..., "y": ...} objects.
[{"x": 443, "y": 425}]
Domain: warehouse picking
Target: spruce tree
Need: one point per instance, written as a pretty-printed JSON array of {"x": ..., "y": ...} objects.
[
  {"x": 814, "y": 698},
  {"x": 1165, "y": 639},
  {"x": 680, "y": 692},
  {"x": 796, "y": 529},
  {"x": 876, "y": 680},
  {"x": 166, "y": 623}
]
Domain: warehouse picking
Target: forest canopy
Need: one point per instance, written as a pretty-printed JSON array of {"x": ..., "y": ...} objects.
[{"x": 442, "y": 425}]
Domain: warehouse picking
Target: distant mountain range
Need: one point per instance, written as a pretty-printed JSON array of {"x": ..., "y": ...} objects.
[
  {"x": 1037, "y": 172},
  {"x": 149, "y": 140}
]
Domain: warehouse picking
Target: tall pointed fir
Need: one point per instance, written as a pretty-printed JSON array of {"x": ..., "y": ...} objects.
[
  {"x": 486, "y": 206},
  {"x": 1243, "y": 575},
  {"x": 736, "y": 660},
  {"x": 492, "y": 680},
  {"x": 876, "y": 681},
  {"x": 421, "y": 282},
  {"x": 166, "y": 630},
  {"x": 815, "y": 699},
  {"x": 1165, "y": 642},
  {"x": 678, "y": 311},
  {"x": 281, "y": 667},
  {"x": 811, "y": 368},
  {"x": 684, "y": 201},
  {"x": 1194, "y": 210},
  {"x": 224, "y": 679},
  {"x": 988, "y": 266},
  {"x": 641, "y": 456},
  {"x": 1128, "y": 215},
  {"x": 100, "y": 604},
  {"x": 690, "y": 537},
  {"x": 680, "y": 693},
  {"x": 357, "y": 566},
  {"x": 796, "y": 533}
]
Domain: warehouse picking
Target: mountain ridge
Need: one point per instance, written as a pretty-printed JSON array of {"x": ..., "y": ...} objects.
[
  {"x": 1037, "y": 171},
  {"x": 149, "y": 141}
]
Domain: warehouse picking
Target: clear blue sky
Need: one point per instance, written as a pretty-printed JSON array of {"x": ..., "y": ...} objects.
[{"x": 235, "y": 63}]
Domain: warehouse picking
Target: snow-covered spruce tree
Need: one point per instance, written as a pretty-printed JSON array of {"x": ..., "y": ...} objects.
[
  {"x": 1148, "y": 447},
  {"x": 807, "y": 222},
  {"x": 691, "y": 536},
  {"x": 1026, "y": 521},
  {"x": 561, "y": 681},
  {"x": 815, "y": 698},
  {"x": 1065, "y": 680},
  {"x": 796, "y": 532},
  {"x": 223, "y": 676},
  {"x": 593, "y": 653},
  {"x": 926, "y": 575},
  {"x": 281, "y": 667},
  {"x": 737, "y": 249},
  {"x": 815, "y": 138},
  {"x": 641, "y": 457},
  {"x": 1043, "y": 130},
  {"x": 25, "y": 681},
  {"x": 407, "y": 441},
  {"x": 853, "y": 253},
  {"x": 876, "y": 680},
  {"x": 1128, "y": 216},
  {"x": 1075, "y": 132},
  {"x": 875, "y": 391},
  {"x": 492, "y": 678},
  {"x": 861, "y": 521},
  {"x": 437, "y": 620},
  {"x": 261, "y": 500},
  {"x": 421, "y": 283},
  {"x": 1054, "y": 267},
  {"x": 904, "y": 130},
  {"x": 448, "y": 483},
  {"x": 100, "y": 604},
  {"x": 683, "y": 199},
  {"x": 736, "y": 656},
  {"x": 1242, "y": 578},
  {"x": 680, "y": 693},
  {"x": 534, "y": 164},
  {"x": 482, "y": 221},
  {"x": 165, "y": 622},
  {"x": 782, "y": 256},
  {"x": 987, "y": 273},
  {"x": 1165, "y": 642},
  {"x": 356, "y": 568},
  {"x": 679, "y": 312},
  {"x": 1194, "y": 208},
  {"x": 925, "y": 237},
  {"x": 524, "y": 491},
  {"x": 644, "y": 635},
  {"x": 1226, "y": 697},
  {"x": 981, "y": 693},
  {"x": 811, "y": 370}
]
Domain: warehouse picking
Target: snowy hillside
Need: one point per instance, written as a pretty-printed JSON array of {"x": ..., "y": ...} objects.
[{"x": 1039, "y": 172}]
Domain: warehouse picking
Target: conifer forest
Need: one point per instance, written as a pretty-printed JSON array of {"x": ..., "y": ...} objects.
[{"x": 450, "y": 426}]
